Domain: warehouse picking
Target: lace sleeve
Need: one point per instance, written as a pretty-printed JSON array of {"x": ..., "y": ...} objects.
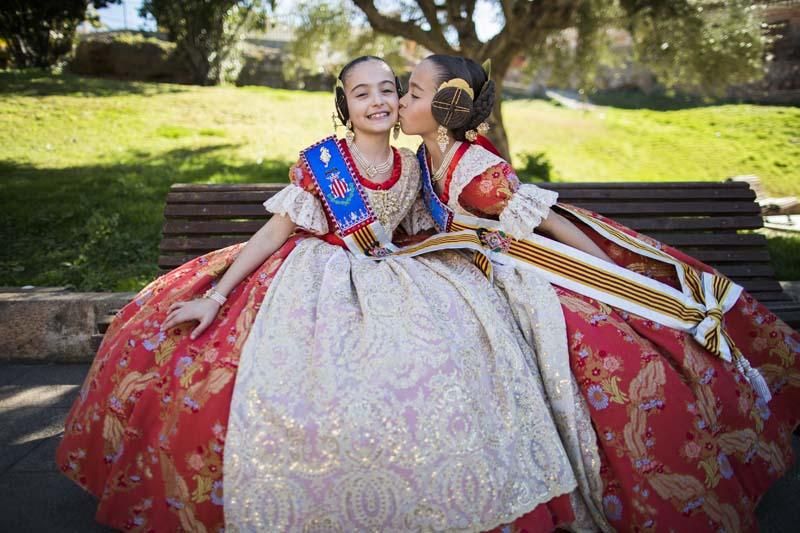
[
  {"x": 497, "y": 193},
  {"x": 298, "y": 202},
  {"x": 526, "y": 210}
]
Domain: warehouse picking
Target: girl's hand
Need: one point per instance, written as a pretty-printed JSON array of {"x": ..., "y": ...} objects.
[{"x": 203, "y": 310}]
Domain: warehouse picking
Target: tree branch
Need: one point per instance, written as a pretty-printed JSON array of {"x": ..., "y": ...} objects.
[
  {"x": 527, "y": 19},
  {"x": 460, "y": 16},
  {"x": 431, "y": 12},
  {"x": 434, "y": 42}
]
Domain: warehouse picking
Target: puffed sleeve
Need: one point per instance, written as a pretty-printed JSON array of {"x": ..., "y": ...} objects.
[
  {"x": 497, "y": 193},
  {"x": 299, "y": 202}
]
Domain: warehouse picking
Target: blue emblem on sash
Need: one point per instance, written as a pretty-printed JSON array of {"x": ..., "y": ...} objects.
[
  {"x": 441, "y": 213},
  {"x": 340, "y": 192}
]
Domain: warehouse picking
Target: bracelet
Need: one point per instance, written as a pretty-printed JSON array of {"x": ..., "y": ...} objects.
[{"x": 212, "y": 294}]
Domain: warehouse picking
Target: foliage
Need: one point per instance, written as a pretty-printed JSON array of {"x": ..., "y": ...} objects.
[
  {"x": 208, "y": 34},
  {"x": 705, "y": 44},
  {"x": 39, "y": 34},
  {"x": 329, "y": 34},
  {"x": 702, "y": 46},
  {"x": 535, "y": 166},
  {"x": 87, "y": 162}
]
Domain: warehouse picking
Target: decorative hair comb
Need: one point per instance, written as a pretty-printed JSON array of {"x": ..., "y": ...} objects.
[{"x": 458, "y": 83}]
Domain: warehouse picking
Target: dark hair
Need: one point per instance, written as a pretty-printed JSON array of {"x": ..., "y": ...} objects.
[
  {"x": 341, "y": 99},
  {"x": 480, "y": 107}
]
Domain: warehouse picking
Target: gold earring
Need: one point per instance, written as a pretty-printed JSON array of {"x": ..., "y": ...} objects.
[
  {"x": 441, "y": 138},
  {"x": 350, "y": 135},
  {"x": 396, "y": 131},
  {"x": 335, "y": 125}
]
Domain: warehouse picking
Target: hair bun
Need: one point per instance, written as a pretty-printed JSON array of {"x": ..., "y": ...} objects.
[
  {"x": 483, "y": 105},
  {"x": 452, "y": 107}
]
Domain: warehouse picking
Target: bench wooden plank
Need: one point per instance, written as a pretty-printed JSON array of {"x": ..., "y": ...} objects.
[
  {"x": 686, "y": 240},
  {"x": 653, "y": 224},
  {"x": 212, "y": 227},
  {"x": 200, "y": 187},
  {"x": 201, "y": 244},
  {"x": 765, "y": 285},
  {"x": 704, "y": 219},
  {"x": 662, "y": 209},
  {"x": 680, "y": 186},
  {"x": 200, "y": 211},
  {"x": 569, "y": 195}
]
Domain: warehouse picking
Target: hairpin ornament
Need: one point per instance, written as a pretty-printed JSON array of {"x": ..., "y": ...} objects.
[{"x": 458, "y": 83}]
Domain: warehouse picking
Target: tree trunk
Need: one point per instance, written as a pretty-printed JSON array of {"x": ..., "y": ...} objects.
[{"x": 497, "y": 133}]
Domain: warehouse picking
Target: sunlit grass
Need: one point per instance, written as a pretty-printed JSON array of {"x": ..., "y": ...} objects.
[{"x": 86, "y": 163}]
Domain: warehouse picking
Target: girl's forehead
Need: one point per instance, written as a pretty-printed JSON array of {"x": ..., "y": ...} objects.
[
  {"x": 424, "y": 75},
  {"x": 369, "y": 72}
]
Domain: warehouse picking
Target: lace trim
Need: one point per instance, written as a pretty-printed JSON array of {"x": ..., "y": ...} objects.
[
  {"x": 474, "y": 161},
  {"x": 526, "y": 210},
  {"x": 302, "y": 207},
  {"x": 538, "y": 312}
]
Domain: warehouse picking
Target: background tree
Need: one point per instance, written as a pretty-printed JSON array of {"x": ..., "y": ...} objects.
[
  {"x": 325, "y": 39},
  {"x": 40, "y": 33},
  {"x": 706, "y": 44},
  {"x": 208, "y": 33}
]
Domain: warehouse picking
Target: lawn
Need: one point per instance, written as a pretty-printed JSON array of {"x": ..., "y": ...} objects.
[{"x": 85, "y": 164}]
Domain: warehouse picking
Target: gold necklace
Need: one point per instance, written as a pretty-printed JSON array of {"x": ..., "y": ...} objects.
[
  {"x": 440, "y": 172},
  {"x": 371, "y": 169}
]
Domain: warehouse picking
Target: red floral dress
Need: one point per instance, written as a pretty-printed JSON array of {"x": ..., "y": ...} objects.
[
  {"x": 684, "y": 442},
  {"x": 147, "y": 433}
]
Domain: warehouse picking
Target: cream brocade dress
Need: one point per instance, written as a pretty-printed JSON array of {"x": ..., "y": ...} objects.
[
  {"x": 537, "y": 311},
  {"x": 388, "y": 395}
]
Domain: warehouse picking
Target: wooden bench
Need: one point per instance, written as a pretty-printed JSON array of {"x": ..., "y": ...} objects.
[
  {"x": 784, "y": 205},
  {"x": 708, "y": 220}
]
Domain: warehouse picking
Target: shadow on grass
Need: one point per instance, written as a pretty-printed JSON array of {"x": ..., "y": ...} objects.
[
  {"x": 97, "y": 227},
  {"x": 632, "y": 99},
  {"x": 34, "y": 82},
  {"x": 784, "y": 250}
]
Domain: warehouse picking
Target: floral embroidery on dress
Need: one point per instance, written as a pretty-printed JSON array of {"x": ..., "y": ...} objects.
[
  {"x": 684, "y": 443},
  {"x": 147, "y": 432},
  {"x": 484, "y": 185}
]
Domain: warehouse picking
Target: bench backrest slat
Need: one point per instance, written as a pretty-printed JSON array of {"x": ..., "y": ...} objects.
[{"x": 705, "y": 219}]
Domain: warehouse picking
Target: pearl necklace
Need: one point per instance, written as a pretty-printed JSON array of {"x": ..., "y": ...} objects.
[
  {"x": 371, "y": 169},
  {"x": 440, "y": 172}
]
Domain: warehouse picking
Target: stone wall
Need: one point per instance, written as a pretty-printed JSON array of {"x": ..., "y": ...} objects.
[{"x": 53, "y": 324}]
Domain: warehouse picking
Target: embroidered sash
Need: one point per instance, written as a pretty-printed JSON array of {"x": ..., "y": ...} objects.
[
  {"x": 698, "y": 308},
  {"x": 345, "y": 201},
  {"x": 347, "y": 204}
]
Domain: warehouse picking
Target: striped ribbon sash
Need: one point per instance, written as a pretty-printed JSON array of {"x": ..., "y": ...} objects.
[{"x": 697, "y": 308}]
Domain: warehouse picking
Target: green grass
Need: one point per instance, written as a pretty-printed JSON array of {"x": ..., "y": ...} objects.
[
  {"x": 784, "y": 250},
  {"x": 698, "y": 144},
  {"x": 85, "y": 164}
]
